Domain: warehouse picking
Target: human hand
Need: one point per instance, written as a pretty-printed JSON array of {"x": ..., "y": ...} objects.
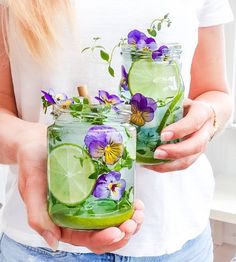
[
  {"x": 32, "y": 159},
  {"x": 195, "y": 130}
]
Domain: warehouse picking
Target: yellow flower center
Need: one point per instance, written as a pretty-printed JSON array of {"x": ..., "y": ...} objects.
[
  {"x": 139, "y": 114},
  {"x": 108, "y": 149}
]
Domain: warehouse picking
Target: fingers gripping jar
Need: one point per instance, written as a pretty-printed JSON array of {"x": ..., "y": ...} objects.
[
  {"x": 91, "y": 158},
  {"x": 152, "y": 84}
]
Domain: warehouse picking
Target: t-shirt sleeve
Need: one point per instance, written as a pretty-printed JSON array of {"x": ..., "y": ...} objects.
[{"x": 214, "y": 12}]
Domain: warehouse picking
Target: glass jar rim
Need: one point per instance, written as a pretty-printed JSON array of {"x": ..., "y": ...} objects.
[
  {"x": 116, "y": 113},
  {"x": 173, "y": 52}
]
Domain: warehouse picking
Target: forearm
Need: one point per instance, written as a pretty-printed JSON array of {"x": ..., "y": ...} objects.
[
  {"x": 15, "y": 133},
  {"x": 222, "y": 104}
]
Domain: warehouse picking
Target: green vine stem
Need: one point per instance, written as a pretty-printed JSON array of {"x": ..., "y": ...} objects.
[
  {"x": 169, "y": 111},
  {"x": 174, "y": 102}
]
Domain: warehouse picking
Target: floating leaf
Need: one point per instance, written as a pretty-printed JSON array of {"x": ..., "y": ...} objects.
[{"x": 141, "y": 151}]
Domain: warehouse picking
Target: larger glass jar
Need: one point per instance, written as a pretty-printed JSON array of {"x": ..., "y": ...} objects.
[
  {"x": 155, "y": 91},
  {"x": 91, "y": 157}
]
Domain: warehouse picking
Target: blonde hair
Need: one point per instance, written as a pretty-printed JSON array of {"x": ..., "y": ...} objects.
[{"x": 36, "y": 22}]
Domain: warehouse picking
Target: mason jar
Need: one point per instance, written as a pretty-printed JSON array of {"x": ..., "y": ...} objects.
[
  {"x": 154, "y": 88},
  {"x": 91, "y": 157}
]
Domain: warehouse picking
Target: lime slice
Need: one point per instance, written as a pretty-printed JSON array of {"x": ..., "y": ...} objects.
[
  {"x": 154, "y": 79},
  {"x": 69, "y": 169}
]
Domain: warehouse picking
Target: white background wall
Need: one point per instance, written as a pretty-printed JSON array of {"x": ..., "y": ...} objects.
[{"x": 222, "y": 150}]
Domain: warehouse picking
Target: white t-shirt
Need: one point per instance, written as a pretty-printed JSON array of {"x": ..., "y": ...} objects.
[{"x": 177, "y": 203}]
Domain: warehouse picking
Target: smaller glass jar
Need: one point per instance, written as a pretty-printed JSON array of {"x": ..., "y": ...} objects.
[
  {"x": 154, "y": 88},
  {"x": 91, "y": 157}
]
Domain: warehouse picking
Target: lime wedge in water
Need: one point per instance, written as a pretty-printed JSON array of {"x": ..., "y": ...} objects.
[
  {"x": 69, "y": 168},
  {"x": 153, "y": 79}
]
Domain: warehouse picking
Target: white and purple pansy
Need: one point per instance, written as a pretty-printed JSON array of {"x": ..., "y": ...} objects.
[
  {"x": 110, "y": 185},
  {"x": 49, "y": 96},
  {"x": 60, "y": 99},
  {"x": 104, "y": 142},
  {"x": 108, "y": 99}
]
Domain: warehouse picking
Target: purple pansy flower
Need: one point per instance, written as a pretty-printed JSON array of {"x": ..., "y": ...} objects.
[
  {"x": 48, "y": 96},
  {"x": 142, "y": 109},
  {"x": 147, "y": 44},
  {"x": 135, "y": 36},
  {"x": 110, "y": 185},
  {"x": 162, "y": 50},
  {"x": 124, "y": 79},
  {"x": 104, "y": 142},
  {"x": 141, "y": 41},
  {"x": 107, "y": 99}
]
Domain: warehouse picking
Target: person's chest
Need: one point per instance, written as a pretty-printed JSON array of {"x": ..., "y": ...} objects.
[{"x": 114, "y": 19}]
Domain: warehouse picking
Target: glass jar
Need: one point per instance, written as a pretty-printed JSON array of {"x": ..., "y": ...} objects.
[
  {"x": 91, "y": 157},
  {"x": 154, "y": 88}
]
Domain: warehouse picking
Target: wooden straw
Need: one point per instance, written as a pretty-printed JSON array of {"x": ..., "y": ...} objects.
[{"x": 83, "y": 91}]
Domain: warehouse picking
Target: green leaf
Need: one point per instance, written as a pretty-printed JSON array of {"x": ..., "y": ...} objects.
[
  {"x": 93, "y": 175},
  {"x": 81, "y": 161},
  {"x": 141, "y": 151},
  {"x": 125, "y": 154},
  {"x": 99, "y": 46},
  {"x": 111, "y": 71},
  {"x": 152, "y": 32},
  {"x": 96, "y": 38},
  {"x": 59, "y": 208},
  {"x": 159, "y": 27},
  {"x": 76, "y": 99},
  {"x": 127, "y": 133},
  {"x": 86, "y": 48},
  {"x": 105, "y": 56},
  {"x": 86, "y": 101},
  {"x": 117, "y": 167},
  {"x": 76, "y": 107},
  {"x": 169, "y": 24},
  {"x": 166, "y": 16}
]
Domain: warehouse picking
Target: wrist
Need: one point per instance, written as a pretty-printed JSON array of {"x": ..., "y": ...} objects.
[
  {"x": 30, "y": 134},
  {"x": 212, "y": 118}
]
